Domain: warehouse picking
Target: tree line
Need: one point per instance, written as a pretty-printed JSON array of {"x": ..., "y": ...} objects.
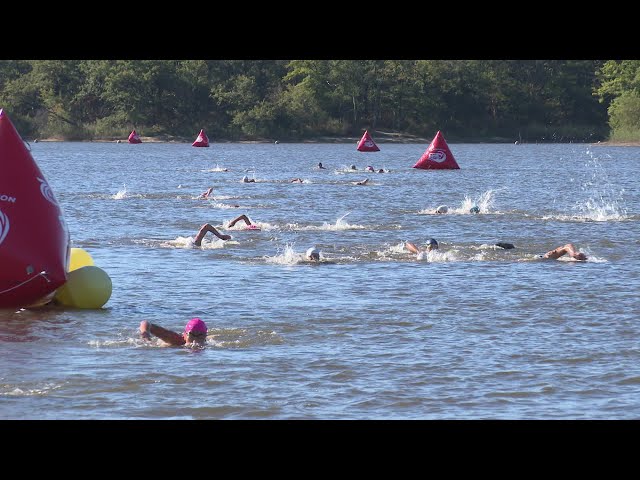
[{"x": 296, "y": 100}]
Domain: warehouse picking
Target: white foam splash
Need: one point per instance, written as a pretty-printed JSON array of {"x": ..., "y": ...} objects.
[
  {"x": 603, "y": 201},
  {"x": 288, "y": 256},
  {"x": 121, "y": 193}
]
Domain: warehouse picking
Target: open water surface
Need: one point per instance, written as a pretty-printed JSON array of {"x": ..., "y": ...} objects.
[{"x": 470, "y": 332}]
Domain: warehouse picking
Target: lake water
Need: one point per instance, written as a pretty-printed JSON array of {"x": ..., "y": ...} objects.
[{"x": 472, "y": 332}]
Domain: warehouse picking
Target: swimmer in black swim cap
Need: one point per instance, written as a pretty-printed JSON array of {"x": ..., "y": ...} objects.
[{"x": 430, "y": 245}]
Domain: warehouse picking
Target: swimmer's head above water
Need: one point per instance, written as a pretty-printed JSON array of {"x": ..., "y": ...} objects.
[
  {"x": 432, "y": 244},
  {"x": 313, "y": 254}
]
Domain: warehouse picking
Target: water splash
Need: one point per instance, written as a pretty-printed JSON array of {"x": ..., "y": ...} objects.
[
  {"x": 485, "y": 202},
  {"x": 210, "y": 242},
  {"x": 121, "y": 193},
  {"x": 286, "y": 256},
  {"x": 340, "y": 224},
  {"x": 603, "y": 200},
  {"x": 223, "y": 205},
  {"x": 343, "y": 217},
  {"x": 217, "y": 168}
]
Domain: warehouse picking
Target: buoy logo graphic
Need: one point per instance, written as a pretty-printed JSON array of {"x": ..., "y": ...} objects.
[
  {"x": 4, "y": 226},
  {"x": 438, "y": 155},
  {"x": 46, "y": 192}
]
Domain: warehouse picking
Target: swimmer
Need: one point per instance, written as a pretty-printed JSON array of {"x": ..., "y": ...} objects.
[
  {"x": 564, "y": 250},
  {"x": 207, "y": 227},
  {"x": 432, "y": 244},
  {"x": 246, "y": 220},
  {"x": 361, "y": 182},
  {"x": 474, "y": 209},
  {"x": 194, "y": 334},
  {"x": 246, "y": 179},
  {"x": 320, "y": 166},
  {"x": 442, "y": 209},
  {"x": 369, "y": 168},
  {"x": 313, "y": 254},
  {"x": 207, "y": 193}
]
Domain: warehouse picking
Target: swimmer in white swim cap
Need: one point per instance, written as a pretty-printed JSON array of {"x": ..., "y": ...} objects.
[{"x": 313, "y": 254}]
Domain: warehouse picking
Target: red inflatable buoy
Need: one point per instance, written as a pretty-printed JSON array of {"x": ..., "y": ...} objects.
[
  {"x": 202, "y": 140},
  {"x": 34, "y": 238},
  {"x": 366, "y": 143},
  {"x": 437, "y": 156},
  {"x": 134, "y": 137}
]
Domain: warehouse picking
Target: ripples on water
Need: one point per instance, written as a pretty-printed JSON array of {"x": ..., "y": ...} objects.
[{"x": 471, "y": 332}]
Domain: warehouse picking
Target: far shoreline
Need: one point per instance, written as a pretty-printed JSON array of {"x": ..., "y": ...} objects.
[{"x": 344, "y": 140}]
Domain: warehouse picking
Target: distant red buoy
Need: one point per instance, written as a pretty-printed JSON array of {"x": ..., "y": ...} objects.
[
  {"x": 437, "y": 156},
  {"x": 134, "y": 137},
  {"x": 366, "y": 143},
  {"x": 202, "y": 140}
]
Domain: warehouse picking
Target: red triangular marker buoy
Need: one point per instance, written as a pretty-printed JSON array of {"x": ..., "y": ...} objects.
[
  {"x": 437, "y": 156},
  {"x": 202, "y": 140},
  {"x": 366, "y": 143},
  {"x": 34, "y": 239},
  {"x": 134, "y": 137}
]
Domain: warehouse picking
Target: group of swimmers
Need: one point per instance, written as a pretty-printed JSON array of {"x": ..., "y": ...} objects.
[
  {"x": 195, "y": 331},
  {"x": 313, "y": 254},
  {"x": 440, "y": 209},
  {"x": 568, "y": 249},
  {"x": 246, "y": 179}
]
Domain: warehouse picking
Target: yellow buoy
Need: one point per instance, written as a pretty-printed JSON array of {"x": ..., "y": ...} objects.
[
  {"x": 86, "y": 287},
  {"x": 79, "y": 258}
]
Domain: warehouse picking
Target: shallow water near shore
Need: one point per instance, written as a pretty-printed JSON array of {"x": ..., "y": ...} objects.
[{"x": 470, "y": 332}]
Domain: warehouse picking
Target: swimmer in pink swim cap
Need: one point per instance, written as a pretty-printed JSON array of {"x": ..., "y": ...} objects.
[{"x": 195, "y": 333}]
